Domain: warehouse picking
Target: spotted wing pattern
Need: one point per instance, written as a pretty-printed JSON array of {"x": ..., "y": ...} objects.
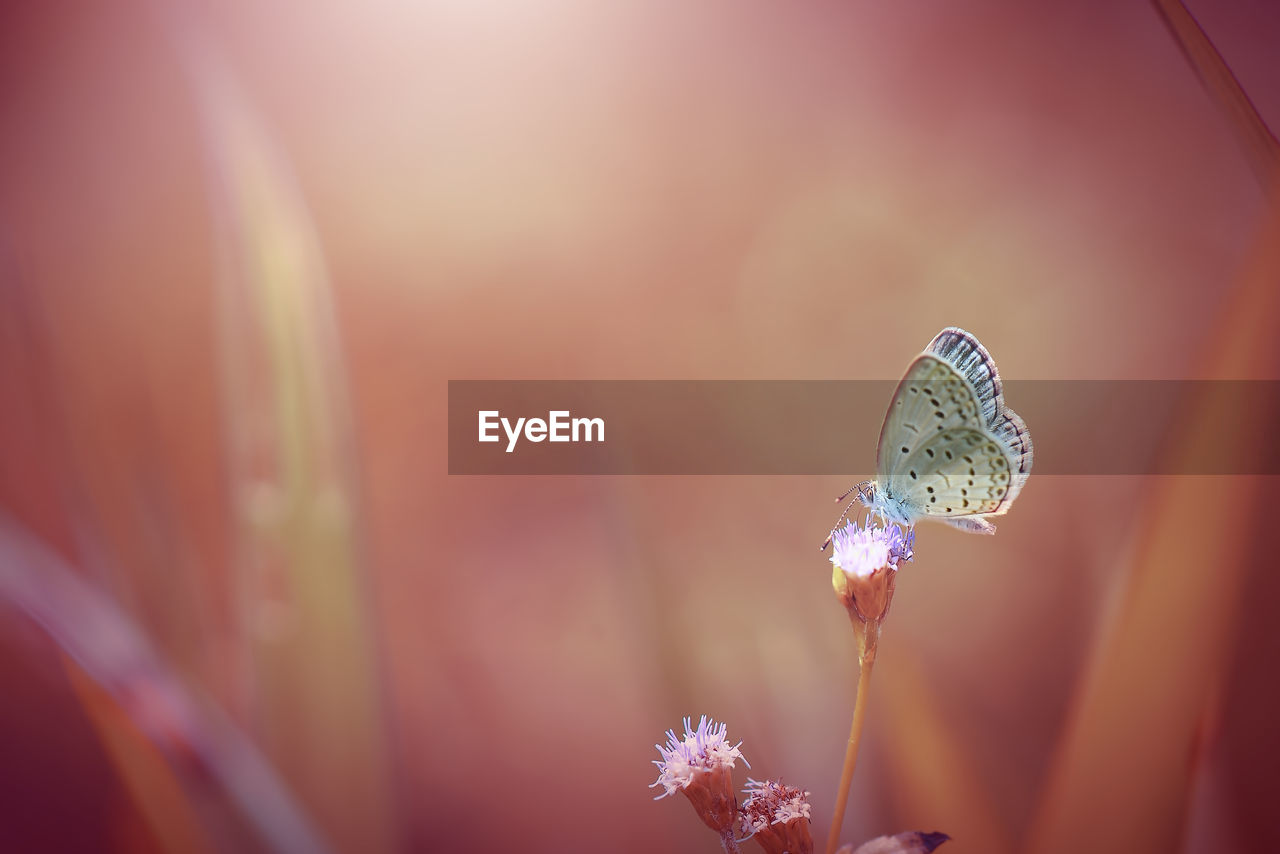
[
  {"x": 959, "y": 471},
  {"x": 949, "y": 448},
  {"x": 975, "y": 364}
]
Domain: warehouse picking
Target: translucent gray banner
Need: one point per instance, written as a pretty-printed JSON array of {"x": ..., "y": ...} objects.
[{"x": 803, "y": 427}]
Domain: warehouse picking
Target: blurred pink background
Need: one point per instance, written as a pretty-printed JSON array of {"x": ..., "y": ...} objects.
[{"x": 562, "y": 189}]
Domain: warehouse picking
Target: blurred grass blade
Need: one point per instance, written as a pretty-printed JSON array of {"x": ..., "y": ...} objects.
[
  {"x": 932, "y": 773},
  {"x": 199, "y": 743},
  {"x": 1127, "y": 763},
  {"x": 1125, "y": 768},
  {"x": 1259, "y": 142},
  {"x": 310, "y": 675},
  {"x": 150, "y": 780}
]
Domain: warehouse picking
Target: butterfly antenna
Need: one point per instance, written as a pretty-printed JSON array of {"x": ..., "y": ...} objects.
[{"x": 858, "y": 488}]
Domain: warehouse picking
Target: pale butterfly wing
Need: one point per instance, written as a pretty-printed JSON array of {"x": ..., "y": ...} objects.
[
  {"x": 1012, "y": 432},
  {"x": 930, "y": 398},
  {"x": 975, "y": 364},
  {"x": 959, "y": 471},
  {"x": 949, "y": 449},
  {"x": 972, "y": 361}
]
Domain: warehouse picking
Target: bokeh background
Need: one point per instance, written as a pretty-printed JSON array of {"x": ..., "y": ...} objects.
[{"x": 244, "y": 246}]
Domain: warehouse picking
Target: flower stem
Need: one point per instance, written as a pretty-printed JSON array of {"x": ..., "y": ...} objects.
[
  {"x": 730, "y": 844},
  {"x": 868, "y": 636}
]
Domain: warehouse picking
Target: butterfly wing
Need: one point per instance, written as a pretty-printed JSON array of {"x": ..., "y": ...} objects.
[
  {"x": 949, "y": 448},
  {"x": 1013, "y": 435},
  {"x": 930, "y": 398},
  {"x": 957, "y": 471},
  {"x": 972, "y": 361}
]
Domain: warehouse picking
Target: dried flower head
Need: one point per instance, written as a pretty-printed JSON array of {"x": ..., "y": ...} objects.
[
  {"x": 912, "y": 842},
  {"x": 701, "y": 766},
  {"x": 777, "y": 816},
  {"x": 866, "y": 560}
]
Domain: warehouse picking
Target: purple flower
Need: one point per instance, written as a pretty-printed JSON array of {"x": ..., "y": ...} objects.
[
  {"x": 703, "y": 749},
  {"x": 701, "y": 766},
  {"x": 861, "y": 551},
  {"x": 866, "y": 561}
]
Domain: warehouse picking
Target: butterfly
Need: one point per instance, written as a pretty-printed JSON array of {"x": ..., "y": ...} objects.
[{"x": 949, "y": 448}]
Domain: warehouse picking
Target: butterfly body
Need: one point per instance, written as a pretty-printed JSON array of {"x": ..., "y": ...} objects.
[{"x": 949, "y": 448}]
